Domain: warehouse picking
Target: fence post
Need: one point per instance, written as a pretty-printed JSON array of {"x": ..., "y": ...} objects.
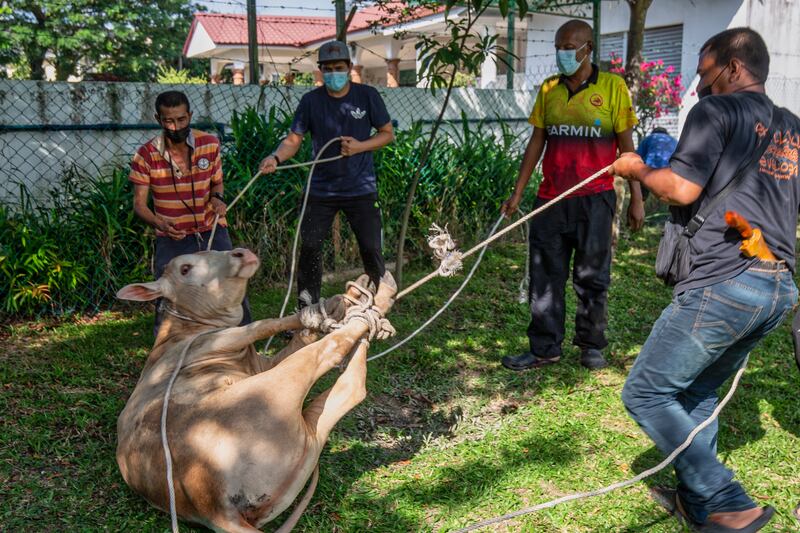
[
  {"x": 596, "y": 31},
  {"x": 511, "y": 49},
  {"x": 252, "y": 41}
]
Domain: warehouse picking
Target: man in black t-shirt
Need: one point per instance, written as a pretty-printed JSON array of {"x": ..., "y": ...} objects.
[
  {"x": 729, "y": 301},
  {"x": 351, "y": 111}
]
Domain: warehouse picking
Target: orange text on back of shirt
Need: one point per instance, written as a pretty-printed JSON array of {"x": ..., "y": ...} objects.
[{"x": 781, "y": 158}]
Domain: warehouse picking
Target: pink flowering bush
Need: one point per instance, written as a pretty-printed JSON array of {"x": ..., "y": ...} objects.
[{"x": 659, "y": 91}]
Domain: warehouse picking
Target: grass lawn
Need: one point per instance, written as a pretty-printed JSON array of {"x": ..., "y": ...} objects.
[{"x": 446, "y": 436}]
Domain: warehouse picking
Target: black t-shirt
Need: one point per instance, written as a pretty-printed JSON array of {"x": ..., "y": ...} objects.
[
  {"x": 718, "y": 137},
  {"x": 353, "y": 115}
]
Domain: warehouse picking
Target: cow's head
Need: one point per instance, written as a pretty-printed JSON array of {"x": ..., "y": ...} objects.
[{"x": 207, "y": 286}]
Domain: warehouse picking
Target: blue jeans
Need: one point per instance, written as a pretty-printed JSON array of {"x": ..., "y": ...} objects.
[{"x": 700, "y": 340}]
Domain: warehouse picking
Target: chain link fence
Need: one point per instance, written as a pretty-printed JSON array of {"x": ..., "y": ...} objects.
[
  {"x": 68, "y": 236},
  {"x": 47, "y": 129}
]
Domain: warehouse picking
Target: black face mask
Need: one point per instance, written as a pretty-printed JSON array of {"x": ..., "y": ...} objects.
[
  {"x": 706, "y": 91},
  {"x": 177, "y": 136}
]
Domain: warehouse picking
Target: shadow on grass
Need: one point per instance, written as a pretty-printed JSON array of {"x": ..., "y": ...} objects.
[{"x": 69, "y": 392}]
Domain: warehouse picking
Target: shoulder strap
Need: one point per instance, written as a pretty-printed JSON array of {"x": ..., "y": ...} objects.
[{"x": 698, "y": 219}]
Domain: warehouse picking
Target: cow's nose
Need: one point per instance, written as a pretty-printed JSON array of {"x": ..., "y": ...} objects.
[{"x": 245, "y": 255}]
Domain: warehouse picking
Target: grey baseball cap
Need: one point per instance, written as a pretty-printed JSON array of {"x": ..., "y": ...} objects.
[{"x": 333, "y": 51}]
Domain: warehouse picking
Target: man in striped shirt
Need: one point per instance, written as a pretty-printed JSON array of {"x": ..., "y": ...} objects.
[{"x": 182, "y": 169}]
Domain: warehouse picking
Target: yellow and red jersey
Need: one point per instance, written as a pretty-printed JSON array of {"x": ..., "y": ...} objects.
[
  {"x": 183, "y": 199},
  {"x": 581, "y": 130}
]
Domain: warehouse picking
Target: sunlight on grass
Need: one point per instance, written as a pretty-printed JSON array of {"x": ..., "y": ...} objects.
[{"x": 446, "y": 435}]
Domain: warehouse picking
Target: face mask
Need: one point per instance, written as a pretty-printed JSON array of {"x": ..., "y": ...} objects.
[
  {"x": 567, "y": 62},
  {"x": 706, "y": 91},
  {"x": 335, "y": 81},
  {"x": 177, "y": 136}
]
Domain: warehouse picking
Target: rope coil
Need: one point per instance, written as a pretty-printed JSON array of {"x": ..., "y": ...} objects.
[{"x": 444, "y": 249}]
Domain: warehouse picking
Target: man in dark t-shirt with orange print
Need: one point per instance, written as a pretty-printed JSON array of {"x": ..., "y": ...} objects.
[
  {"x": 729, "y": 301},
  {"x": 581, "y": 120}
]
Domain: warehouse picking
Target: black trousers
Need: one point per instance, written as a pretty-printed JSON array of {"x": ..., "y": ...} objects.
[
  {"x": 363, "y": 213},
  {"x": 577, "y": 229},
  {"x": 167, "y": 249}
]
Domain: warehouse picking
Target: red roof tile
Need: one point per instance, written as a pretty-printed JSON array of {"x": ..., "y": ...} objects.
[{"x": 290, "y": 30}]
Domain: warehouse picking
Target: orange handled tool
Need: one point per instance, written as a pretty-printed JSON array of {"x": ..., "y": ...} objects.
[{"x": 753, "y": 244}]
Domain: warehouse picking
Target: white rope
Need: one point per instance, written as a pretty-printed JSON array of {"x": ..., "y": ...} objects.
[
  {"x": 508, "y": 228},
  {"x": 313, "y": 163},
  {"x": 173, "y": 514},
  {"x": 447, "y": 303},
  {"x": 299, "y": 223},
  {"x": 647, "y": 473}
]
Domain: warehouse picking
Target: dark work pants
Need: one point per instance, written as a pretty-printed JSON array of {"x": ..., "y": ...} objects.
[
  {"x": 578, "y": 229},
  {"x": 364, "y": 216},
  {"x": 167, "y": 249}
]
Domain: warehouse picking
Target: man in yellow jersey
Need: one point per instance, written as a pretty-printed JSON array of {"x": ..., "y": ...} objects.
[{"x": 581, "y": 120}]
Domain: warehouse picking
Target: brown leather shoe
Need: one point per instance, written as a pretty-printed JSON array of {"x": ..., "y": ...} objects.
[{"x": 668, "y": 499}]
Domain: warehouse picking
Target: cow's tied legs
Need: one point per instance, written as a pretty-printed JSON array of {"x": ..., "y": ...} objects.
[{"x": 288, "y": 383}]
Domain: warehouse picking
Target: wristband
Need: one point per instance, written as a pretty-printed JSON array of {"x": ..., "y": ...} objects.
[
  {"x": 218, "y": 196},
  {"x": 277, "y": 161}
]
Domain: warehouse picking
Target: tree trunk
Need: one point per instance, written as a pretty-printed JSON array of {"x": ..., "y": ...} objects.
[
  {"x": 633, "y": 59},
  {"x": 65, "y": 67},
  {"x": 34, "y": 53},
  {"x": 35, "y": 58},
  {"x": 426, "y": 152}
]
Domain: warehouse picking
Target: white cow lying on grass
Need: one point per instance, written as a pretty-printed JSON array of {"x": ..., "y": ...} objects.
[{"x": 242, "y": 446}]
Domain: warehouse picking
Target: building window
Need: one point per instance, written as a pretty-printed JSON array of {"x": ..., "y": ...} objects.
[
  {"x": 408, "y": 78},
  {"x": 665, "y": 43}
]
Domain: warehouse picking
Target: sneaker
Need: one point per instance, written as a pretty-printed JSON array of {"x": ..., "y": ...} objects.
[
  {"x": 593, "y": 359},
  {"x": 527, "y": 361}
]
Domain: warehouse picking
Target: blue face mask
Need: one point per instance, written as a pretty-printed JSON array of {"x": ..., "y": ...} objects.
[
  {"x": 567, "y": 63},
  {"x": 335, "y": 81}
]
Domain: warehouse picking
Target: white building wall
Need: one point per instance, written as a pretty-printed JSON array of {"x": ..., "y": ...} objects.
[
  {"x": 540, "y": 59},
  {"x": 776, "y": 20}
]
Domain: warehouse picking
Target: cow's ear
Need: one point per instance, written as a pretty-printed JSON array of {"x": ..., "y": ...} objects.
[{"x": 141, "y": 292}]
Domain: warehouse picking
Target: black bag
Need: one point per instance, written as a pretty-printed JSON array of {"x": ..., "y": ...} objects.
[{"x": 672, "y": 259}]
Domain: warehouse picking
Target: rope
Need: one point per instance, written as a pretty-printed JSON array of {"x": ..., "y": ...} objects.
[
  {"x": 505, "y": 230},
  {"x": 313, "y": 163},
  {"x": 647, "y": 473},
  {"x": 446, "y": 304},
  {"x": 173, "y": 514},
  {"x": 300, "y": 222}
]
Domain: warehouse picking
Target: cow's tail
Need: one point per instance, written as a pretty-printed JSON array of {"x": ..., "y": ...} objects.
[{"x": 301, "y": 505}]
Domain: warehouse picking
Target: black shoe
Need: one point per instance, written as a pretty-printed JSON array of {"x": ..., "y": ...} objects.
[
  {"x": 593, "y": 359},
  {"x": 527, "y": 361},
  {"x": 668, "y": 499}
]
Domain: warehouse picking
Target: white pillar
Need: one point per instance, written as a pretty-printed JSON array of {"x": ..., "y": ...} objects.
[
  {"x": 393, "y": 47},
  {"x": 423, "y": 83},
  {"x": 356, "y": 58},
  {"x": 489, "y": 66},
  {"x": 393, "y": 62}
]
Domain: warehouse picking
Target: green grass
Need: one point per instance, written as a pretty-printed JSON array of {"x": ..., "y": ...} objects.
[{"x": 445, "y": 437}]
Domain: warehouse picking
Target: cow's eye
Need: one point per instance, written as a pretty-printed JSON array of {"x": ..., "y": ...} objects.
[{"x": 185, "y": 269}]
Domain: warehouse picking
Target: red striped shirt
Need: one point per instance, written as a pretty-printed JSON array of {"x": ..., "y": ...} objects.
[{"x": 182, "y": 199}]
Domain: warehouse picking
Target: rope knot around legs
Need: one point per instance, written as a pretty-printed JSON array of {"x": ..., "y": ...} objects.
[
  {"x": 314, "y": 316},
  {"x": 364, "y": 310}
]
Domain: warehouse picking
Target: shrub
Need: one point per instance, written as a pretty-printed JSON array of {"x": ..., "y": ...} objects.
[
  {"x": 659, "y": 91},
  {"x": 73, "y": 251}
]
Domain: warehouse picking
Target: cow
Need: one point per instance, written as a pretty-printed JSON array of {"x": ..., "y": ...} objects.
[{"x": 242, "y": 446}]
